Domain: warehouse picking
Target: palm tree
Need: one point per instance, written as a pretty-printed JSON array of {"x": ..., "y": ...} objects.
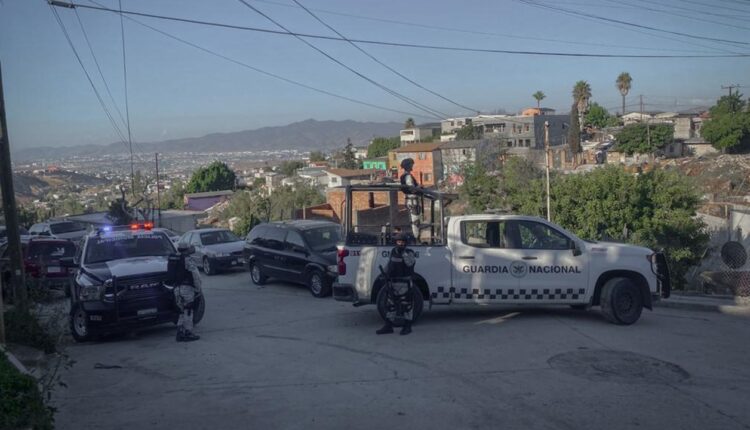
[
  {"x": 539, "y": 96},
  {"x": 581, "y": 96},
  {"x": 623, "y": 84}
]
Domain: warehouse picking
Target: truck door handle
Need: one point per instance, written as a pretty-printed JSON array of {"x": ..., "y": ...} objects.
[
  {"x": 528, "y": 257},
  {"x": 466, "y": 257}
]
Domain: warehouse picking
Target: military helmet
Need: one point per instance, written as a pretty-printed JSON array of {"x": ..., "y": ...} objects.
[{"x": 407, "y": 163}]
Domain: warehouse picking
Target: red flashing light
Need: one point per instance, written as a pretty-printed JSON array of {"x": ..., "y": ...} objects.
[
  {"x": 148, "y": 225},
  {"x": 134, "y": 226}
]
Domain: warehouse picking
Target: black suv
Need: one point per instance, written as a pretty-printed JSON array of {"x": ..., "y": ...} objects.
[
  {"x": 120, "y": 282},
  {"x": 302, "y": 251}
]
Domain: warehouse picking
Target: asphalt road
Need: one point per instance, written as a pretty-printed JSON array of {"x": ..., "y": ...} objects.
[{"x": 275, "y": 357}]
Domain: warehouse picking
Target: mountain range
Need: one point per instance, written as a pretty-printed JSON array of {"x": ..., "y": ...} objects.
[{"x": 308, "y": 135}]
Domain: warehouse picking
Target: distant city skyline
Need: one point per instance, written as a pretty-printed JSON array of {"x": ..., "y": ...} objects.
[{"x": 177, "y": 91}]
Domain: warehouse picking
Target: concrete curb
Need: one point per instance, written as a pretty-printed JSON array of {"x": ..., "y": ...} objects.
[
  {"x": 14, "y": 361},
  {"x": 705, "y": 304}
]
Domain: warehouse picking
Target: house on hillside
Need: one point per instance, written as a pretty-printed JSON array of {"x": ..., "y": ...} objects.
[
  {"x": 428, "y": 163},
  {"x": 524, "y": 131},
  {"x": 315, "y": 176},
  {"x": 203, "y": 201},
  {"x": 343, "y": 177},
  {"x": 457, "y": 154},
  {"x": 378, "y": 163},
  {"x": 419, "y": 133}
]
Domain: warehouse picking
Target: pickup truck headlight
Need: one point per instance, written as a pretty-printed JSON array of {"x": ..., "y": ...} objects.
[{"x": 91, "y": 289}]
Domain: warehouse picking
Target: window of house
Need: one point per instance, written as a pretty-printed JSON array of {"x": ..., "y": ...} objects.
[
  {"x": 453, "y": 123},
  {"x": 510, "y": 143},
  {"x": 422, "y": 156},
  {"x": 528, "y": 142},
  {"x": 514, "y": 128},
  {"x": 463, "y": 152},
  {"x": 526, "y": 127},
  {"x": 426, "y": 177},
  {"x": 334, "y": 179}
]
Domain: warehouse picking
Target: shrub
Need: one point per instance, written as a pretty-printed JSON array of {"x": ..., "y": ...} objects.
[{"x": 21, "y": 403}]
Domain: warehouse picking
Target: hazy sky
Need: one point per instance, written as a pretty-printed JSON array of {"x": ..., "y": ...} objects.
[{"x": 177, "y": 91}]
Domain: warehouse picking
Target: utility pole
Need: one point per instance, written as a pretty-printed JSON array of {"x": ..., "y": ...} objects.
[
  {"x": 546, "y": 157},
  {"x": 9, "y": 208},
  {"x": 158, "y": 193},
  {"x": 730, "y": 88}
]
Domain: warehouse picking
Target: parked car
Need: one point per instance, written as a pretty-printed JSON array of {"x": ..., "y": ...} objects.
[
  {"x": 41, "y": 260},
  {"x": 120, "y": 283},
  {"x": 70, "y": 230},
  {"x": 174, "y": 237},
  {"x": 215, "y": 249},
  {"x": 302, "y": 251},
  {"x": 4, "y": 234}
]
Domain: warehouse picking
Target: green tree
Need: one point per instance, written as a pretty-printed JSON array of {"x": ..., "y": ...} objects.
[
  {"x": 623, "y": 83},
  {"x": 728, "y": 129},
  {"x": 469, "y": 132},
  {"x": 289, "y": 167},
  {"x": 316, "y": 156},
  {"x": 598, "y": 117},
  {"x": 71, "y": 206},
  {"x": 380, "y": 146},
  {"x": 217, "y": 176},
  {"x": 644, "y": 138},
  {"x": 349, "y": 157},
  {"x": 539, "y": 96},
  {"x": 175, "y": 197},
  {"x": 409, "y": 123}
]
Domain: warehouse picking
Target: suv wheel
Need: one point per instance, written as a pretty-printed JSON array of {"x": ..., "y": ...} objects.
[
  {"x": 318, "y": 284},
  {"x": 621, "y": 301},
  {"x": 207, "y": 268},
  {"x": 79, "y": 324},
  {"x": 256, "y": 275}
]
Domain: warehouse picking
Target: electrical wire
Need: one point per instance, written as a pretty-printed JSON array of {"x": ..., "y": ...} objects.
[
  {"x": 127, "y": 107},
  {"x": 703, "y": 12},
  {"x": 631, "y": 24},
  {"x": 715, "y": 6},
  {"x": 266, "y": 73},
  {"x": 433, "y": 112},
  {"x": 383, "y": 64},
  {"x": 399, "y": 44},
  {"x": 667, "y": 12},
  {"x": 480, "y": 33}
]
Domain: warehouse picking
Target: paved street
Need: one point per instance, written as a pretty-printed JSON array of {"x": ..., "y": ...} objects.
[{"x": 275, "y": 357}]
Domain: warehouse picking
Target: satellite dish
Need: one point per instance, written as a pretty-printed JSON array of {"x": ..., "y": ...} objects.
[{"x": 733, "y": 254}]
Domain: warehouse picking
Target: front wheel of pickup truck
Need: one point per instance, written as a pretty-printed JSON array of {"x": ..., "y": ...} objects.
[
  {"x": 621, "y": 301},
  {"x": 387, "y": 308},
  {"x": 79, "y": 324}
]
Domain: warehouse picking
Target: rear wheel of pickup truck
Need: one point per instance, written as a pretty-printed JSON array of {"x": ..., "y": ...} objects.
[
  {"x": 621, "y": 301},
  {"x": 386, "y": 307}
]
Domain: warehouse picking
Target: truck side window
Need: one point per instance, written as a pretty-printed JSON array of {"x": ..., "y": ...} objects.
[
  {"x": 483, "y": 234},
  {"x": 535, "y": 235}
]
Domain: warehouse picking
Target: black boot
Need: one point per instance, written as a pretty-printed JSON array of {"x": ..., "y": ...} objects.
[
  {"x": 190, "y": 336},
  {"x": 386, "y": 329},
  {"x": 406, "y": 329}
]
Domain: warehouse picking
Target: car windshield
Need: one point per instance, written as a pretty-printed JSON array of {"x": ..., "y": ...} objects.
[
  {"x": 119, "y": 246},
  {"x": 47, "y": 251},
  {"x": 66, "y": 227},
  {"x": 218, "y": 236},
  {"x": 323, "y": 238}
]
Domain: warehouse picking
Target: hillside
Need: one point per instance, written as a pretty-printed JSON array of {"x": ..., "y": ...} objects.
[{"x": 304, "y": 135}]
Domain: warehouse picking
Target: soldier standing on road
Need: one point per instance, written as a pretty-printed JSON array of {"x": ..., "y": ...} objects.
[
  {"x": 184, "y": 276},
  {"x": 400, "y": 272},
  {"x": 412, "y": 202}
]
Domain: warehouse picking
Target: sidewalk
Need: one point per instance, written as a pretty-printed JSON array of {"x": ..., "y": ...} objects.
[{"x": 697, "y": 302}]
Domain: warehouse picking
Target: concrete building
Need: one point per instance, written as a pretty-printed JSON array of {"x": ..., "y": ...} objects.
[
  {"x": 203, "y": 201},
  {"x": 457, "y": 154},
  {"x": 315, "y": 176},
  {"x": 419, "y": 133},
  {"x": 524, "y": 131},
  {"x": 343, "y": 177},
  {"x": 360, "y": 152},
  {"x": 273, "y": 181},
  {"x": 428, "y": 162}
]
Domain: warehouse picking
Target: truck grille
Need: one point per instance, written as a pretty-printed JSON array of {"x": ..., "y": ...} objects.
[{"x": 141, "y": 286}]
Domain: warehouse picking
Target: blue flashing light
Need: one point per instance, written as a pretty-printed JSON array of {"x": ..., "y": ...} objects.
[{"x": 107, "y": 228}]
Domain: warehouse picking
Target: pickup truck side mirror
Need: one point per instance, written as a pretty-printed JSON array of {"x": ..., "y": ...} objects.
[
  {"x": 69, "y": 262},
  {"x": 574, "y": 247}
]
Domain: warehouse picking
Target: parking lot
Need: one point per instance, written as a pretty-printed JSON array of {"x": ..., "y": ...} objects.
[{"x": 275, "y": 357}]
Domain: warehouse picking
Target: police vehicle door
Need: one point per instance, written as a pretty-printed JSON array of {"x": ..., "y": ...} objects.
[
  {"x": 553, "y": 272},
  {"x": 483, "y": 264}
]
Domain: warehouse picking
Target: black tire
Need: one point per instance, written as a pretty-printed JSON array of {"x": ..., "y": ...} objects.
[
  {"x": 208, "y": 269},
  {"x": 256, "y": 274},
  {"x": 79, "y": 324},
  {"x": 621, "y": 301},
  {"x": 199, "y": 309},
  {"x": 318, "y": 284},
  {"x": 382, "y": 302}
]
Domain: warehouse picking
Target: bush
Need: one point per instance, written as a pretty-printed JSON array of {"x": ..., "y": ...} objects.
[
  {"x": 21, "y": 403},
  {"x": 23, "y": 328}
]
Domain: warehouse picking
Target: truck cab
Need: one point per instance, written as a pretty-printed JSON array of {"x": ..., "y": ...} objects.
[{"x": 502, "y": 259}]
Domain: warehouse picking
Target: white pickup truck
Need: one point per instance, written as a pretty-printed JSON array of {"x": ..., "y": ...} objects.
[{"x": 508, "y": 260}]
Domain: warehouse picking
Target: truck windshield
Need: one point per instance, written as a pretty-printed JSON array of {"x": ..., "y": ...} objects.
[
  {"x": 115, "y": 247},
  {"x": 66, "y": 227},
  {"x": 324, "y": 238}
]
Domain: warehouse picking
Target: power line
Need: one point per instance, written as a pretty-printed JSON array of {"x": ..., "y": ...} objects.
[
  {"x": 383, "y": 64},
  {"x": 398, "y": 44},
  {"x": 269, "y": 74},
  {"x": 127, "y": 108},
  {"x": 667, "y": 12},
  {"x": 715, "y": 6},
  {"x": 703, "y": 12},
  {"x": 480, "y": 33},
  {"x": 631, "y": 24},
  {"x": 435, "y": 113}
]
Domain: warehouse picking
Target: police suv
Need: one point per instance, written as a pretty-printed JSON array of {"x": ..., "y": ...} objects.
[
  {"x": 119, "y": 284},
  {"x": 507, "y": 259}
]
